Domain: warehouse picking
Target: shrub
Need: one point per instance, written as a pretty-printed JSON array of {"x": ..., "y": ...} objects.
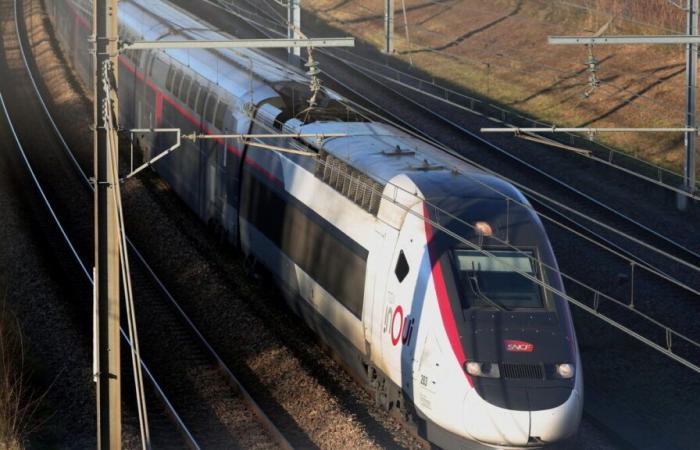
[{"x": 16, "y": 405}]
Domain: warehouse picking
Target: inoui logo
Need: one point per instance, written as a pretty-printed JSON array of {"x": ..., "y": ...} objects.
[
  {"x": 519, "y": 346},
  {"x": 405, "y": 327}
]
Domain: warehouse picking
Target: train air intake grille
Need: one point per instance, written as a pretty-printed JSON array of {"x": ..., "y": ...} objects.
[
  {"x": 512, "y": 371},
  {"x": 350, "y": 182}
]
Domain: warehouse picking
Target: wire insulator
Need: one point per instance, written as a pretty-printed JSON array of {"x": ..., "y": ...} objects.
[
  {"x": 313, "y": 73},
  {"x": 593, "y": 81}
]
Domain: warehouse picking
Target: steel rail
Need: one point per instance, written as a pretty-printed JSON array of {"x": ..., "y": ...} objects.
[
  {"x": 474, "y": 101},
  {"x": 598, "y": 294},
  {"x": 541, "y": 172},
  {"x": 541, "y": 199},
  {"x": 609, "y": 87},
  {"x": 170, "y": 409},
  {"x": 274, "y": 432},
  {"x": 192, "y": 443},
  {"x": 421, "y": 135}
]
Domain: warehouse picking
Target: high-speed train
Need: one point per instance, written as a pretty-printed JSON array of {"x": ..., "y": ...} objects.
[{"x": 433, "y": 281}]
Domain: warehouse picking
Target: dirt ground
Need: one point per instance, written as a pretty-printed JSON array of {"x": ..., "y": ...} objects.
[{"x": 497, "y": 49}]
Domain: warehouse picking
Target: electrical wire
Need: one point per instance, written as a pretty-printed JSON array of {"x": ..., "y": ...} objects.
[
  {"x": 373, "y": 116},
  {"x": 439, "y": 213},
  {"x": 598, "y": 159},
  {"x": 609, "y": 161},
  {"x": 611, "y": 88},
  {"x": 113, "y": 162},
  {"x": 659, "y": 273}
]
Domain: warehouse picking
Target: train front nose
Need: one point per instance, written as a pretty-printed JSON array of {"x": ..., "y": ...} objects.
[
  {"x": 557, "y": 424},
  {"x": 495, "y": 426},
  {"x": 498, "y": 425}
]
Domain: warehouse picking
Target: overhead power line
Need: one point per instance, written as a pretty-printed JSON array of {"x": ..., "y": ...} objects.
[{"x": 690, "y": 39}]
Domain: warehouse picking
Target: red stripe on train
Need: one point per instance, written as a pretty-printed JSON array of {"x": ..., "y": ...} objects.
[
  {"x": 446, "y": 313},
  {"x": 160, "y": 95},
  {"x": 191, "y": 118}
]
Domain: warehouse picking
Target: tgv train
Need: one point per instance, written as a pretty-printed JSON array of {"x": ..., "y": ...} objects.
[{"x": 429, "y": 278}]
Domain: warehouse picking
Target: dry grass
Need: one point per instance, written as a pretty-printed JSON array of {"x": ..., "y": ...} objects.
[
  {"x": 658, "y": 12},
  {"x": 17, "y": 404},
  {"x": 497, "y": 49}
]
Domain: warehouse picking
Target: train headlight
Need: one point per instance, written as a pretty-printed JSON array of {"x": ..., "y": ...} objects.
[
  {"x": 565, "y": 371},
  {"x": 479, "y": 369},
  {"x": 483, "y": 228}
]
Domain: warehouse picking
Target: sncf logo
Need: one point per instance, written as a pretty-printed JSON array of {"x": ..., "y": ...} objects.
[{"x": 519, "y": 346}]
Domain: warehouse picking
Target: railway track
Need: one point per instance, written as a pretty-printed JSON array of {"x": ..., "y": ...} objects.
[
  {"x": 603, "y": 228},
  {"x": 163, "y": 431},
  {"x": 297, "y": 384},
  {"x": 205, "y": 402},
  {"x": 611, "y": 228},
  {"x": 633, "y": 207},
  {"x": 568, "y": 196}
]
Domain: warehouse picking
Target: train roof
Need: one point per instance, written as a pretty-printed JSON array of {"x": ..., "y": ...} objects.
[
  {"x": 378, "y": 150},
  {"x": 155, "y": 20},
  {"x": 383, "y": 152}
]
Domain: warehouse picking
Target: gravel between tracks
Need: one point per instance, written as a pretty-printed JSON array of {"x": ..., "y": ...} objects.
[
  {"x": 212, "y": 409},
  {"x": 308, "y": 395},
  {"x": 43, "y": 294},
  {"x": 35, "y": 290}
]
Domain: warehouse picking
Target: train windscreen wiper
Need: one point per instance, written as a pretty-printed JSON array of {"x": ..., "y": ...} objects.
[{"x": 474, "y": 285}]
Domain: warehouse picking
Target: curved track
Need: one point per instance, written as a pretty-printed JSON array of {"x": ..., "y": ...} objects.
[
  {"x": 564, "y": 206},
  {"x": 405, "y": 122},
  {"x": 194, "y": 393},
  {"x": 449, "y": 114}
]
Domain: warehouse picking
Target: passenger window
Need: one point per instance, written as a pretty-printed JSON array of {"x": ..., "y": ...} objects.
[
  {"x": 209, "y": 109},
  {"x": 169, "y": 80},
  {"x": 200, "y": 101},
  {"x": 192, "y": 98},
  {"x": 185, "y": 88},
  {"x": 401, "y": 270},
  {"x": 149, "y": 64},
  {"x": 176, "y": 81},
  {"x": 136, "y": 56},
  {"x": 221, "y": 111}
]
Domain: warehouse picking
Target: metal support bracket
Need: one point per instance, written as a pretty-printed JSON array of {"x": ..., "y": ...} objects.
[
  {"x": 240, "y": 43},
  {"x": 194, "y": 137},
  {"x": 161, "y": 155}
]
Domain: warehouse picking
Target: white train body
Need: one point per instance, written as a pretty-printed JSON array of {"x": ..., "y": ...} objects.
[{"x": 405, "y": 305}]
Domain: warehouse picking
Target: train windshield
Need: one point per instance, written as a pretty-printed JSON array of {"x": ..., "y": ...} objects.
[{"x": 497, "y": 281}]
